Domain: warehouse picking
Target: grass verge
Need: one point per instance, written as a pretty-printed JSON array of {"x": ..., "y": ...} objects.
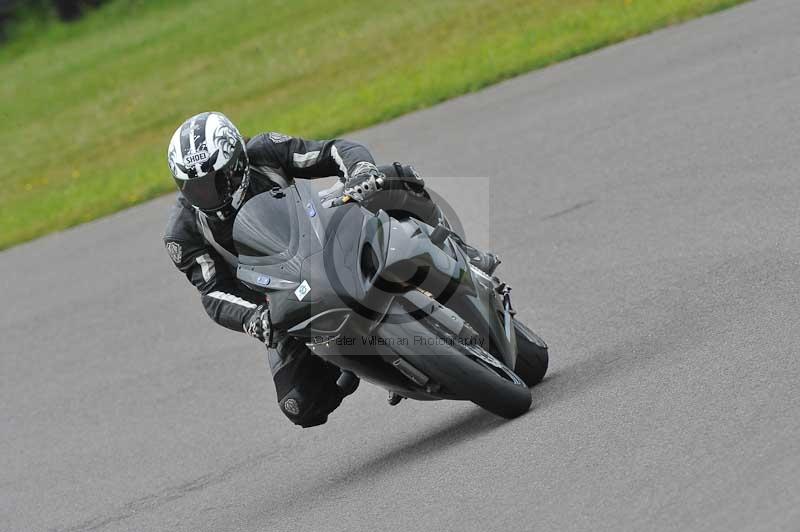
[{"x": 88, "y": 108}]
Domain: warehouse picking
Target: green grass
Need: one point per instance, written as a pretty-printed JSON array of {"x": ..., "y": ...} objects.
[{"x": 87, "y": 109}]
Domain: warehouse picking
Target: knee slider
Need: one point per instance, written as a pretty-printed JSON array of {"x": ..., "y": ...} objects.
[{"x": 307, "y": 411}]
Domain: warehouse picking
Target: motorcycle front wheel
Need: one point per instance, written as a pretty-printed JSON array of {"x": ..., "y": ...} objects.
[
  {"x": 473, "y": 374},
  {"x": 502, "y": 391}
]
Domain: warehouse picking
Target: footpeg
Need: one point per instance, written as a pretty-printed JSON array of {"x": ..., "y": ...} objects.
[
  {"x": 347, "y": 382},
  {"x": 394, "y": 399}
]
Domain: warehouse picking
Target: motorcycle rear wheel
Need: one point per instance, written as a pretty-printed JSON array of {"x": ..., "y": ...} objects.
[{"x": 532, "y": 355}]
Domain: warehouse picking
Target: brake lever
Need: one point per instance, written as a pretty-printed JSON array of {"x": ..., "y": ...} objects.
[{"x": 338, "y": 202}]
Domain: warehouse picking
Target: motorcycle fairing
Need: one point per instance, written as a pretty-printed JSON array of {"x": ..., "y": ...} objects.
[{"x": 365, "y": 271}]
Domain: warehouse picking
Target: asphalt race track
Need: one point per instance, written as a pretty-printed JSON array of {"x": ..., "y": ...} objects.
[{"x": 645, "y": 200}]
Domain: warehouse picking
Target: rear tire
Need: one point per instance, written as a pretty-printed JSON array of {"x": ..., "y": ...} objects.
[{"x": 532, "y": 355}]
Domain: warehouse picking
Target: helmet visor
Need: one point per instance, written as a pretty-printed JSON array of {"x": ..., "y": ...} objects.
[{"x": 215, "y": 190}]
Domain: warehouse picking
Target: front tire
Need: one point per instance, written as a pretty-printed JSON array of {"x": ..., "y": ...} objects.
[
  {"x": 472, "y": 373},
  {"x": 463, "y": 370},
  {"x": 532, "y": 355},
  {"x": 506, "y": 394}
]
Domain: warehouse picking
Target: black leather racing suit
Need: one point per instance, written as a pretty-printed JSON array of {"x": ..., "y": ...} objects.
[{"x": 202, "y": 248}]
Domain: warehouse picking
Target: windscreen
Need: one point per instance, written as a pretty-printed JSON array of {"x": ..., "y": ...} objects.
[{"x": 263, "y": 226}]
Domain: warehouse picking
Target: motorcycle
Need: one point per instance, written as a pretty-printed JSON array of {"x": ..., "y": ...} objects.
[{"x": 391, "y": 299}]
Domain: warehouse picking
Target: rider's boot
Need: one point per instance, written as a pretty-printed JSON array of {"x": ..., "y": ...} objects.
[{"x": 485, "y": 261}]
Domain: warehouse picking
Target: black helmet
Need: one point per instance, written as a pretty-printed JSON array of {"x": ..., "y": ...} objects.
[{"x": 209, "y": 163}]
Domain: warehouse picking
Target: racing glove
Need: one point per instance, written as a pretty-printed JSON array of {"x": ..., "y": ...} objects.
[
  {"x": 259, "y": 325},
  {"x": 362, "y": 182}
]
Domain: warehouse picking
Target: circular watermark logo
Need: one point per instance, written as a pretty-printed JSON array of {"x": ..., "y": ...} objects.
[{"x": 401, "y": 203}]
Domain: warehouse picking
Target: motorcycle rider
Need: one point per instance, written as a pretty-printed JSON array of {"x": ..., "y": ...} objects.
[{"x": 217, "y": 171}]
